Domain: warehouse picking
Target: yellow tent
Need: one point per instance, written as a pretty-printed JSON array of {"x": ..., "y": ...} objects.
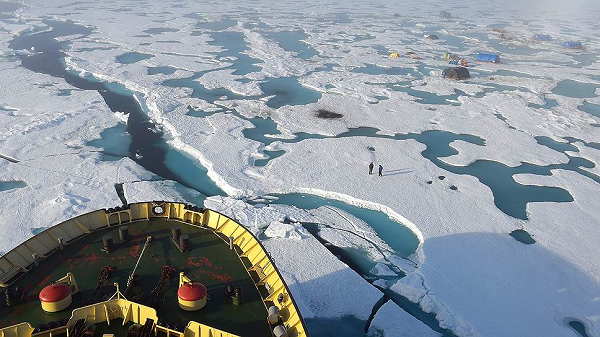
[{"x": 394, "y": 54}]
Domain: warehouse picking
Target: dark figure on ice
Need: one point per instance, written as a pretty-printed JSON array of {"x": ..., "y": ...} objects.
[
  {"x": 380, "y": 171},
  {"x": 371, "y": 168}
]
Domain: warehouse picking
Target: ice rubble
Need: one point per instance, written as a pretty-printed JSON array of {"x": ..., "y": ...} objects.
[
  {"x": 382, "y": 270},
  {"x": 287, "y": 231}
]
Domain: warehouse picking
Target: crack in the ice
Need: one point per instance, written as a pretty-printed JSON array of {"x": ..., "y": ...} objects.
[
  {"x": 383, "y": 300},
  {"x": 9, "y": 158},
  {"x": 64, "y": 154},
  {"x": 389, "y": 294}
]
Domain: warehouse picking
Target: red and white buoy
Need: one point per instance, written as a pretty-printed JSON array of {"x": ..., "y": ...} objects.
[
  {"x": 192, "y": 296},
  {"x": 56, "y": 297}
]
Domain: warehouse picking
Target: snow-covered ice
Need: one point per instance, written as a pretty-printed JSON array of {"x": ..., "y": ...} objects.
[{"x": 467, "y": 270}]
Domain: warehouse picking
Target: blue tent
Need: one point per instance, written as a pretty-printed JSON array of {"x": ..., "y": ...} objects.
[
  {"x": 488, "y": 57},
  {"x": 572, "y": 44},
  {"x": 542, "y": 37}
]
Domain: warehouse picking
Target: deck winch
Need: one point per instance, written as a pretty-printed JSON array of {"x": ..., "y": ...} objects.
[
  {"x": 14, "y": 295},
  {"x": 235, "y": 293}
]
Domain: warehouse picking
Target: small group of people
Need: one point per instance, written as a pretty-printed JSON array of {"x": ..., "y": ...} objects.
[{"x": 371, "y": 166}]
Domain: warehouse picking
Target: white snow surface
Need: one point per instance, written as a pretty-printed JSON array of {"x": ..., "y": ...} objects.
[
  {"x": 476, "y": 279},
  {"x": 140, "y": 191}
]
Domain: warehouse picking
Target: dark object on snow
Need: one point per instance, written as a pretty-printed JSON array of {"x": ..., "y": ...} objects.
[
  {"x": 442, "y": 177},
  {"x": 326, "y": 114},
  {"x": 429, "y": 182},
  {"x": 432, "y": 37},
  {"x": 371, "y": 168},
  {"x": 454, "y": 188},
  {"x": 456, "y": 73},
  {"x": 380, "y": 170},
  {"x": 445, "y": 15}
]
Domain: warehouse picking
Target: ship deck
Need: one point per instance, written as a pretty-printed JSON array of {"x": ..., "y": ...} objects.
[{"x": 208, "y": 261}]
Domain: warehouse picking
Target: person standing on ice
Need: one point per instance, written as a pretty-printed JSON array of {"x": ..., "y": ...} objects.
[
  {"x": 371, "y": 168},
  {"x": 380, "y": 171}
]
